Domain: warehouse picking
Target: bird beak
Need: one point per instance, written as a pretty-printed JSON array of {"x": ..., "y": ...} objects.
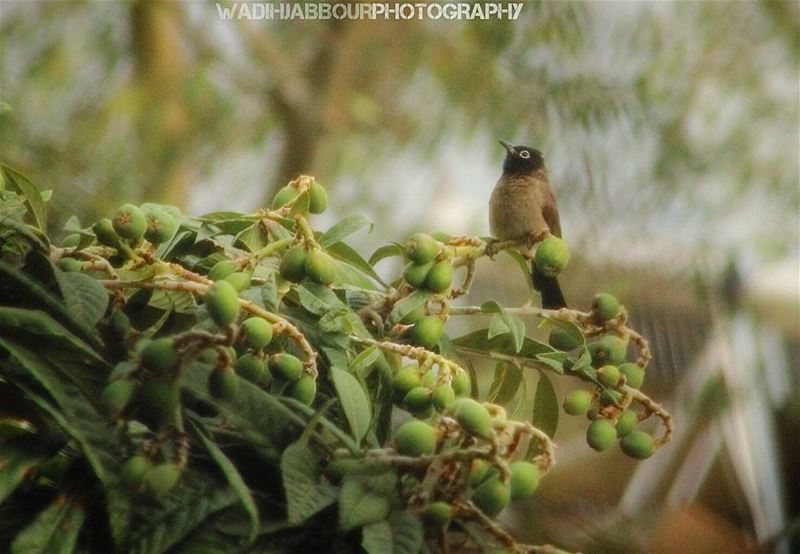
[{"x": 509, "y": 147}]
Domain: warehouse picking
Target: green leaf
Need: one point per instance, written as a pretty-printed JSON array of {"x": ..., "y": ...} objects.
[
  {"x": 524, "y": 266},
  {"x": 406, "y": 305},
  {"x": 553, "y": 360},
  {"x": 363, "y": 362},
  {"x": 306, "y": 495},
  {"x": 503, "y": 344},
  {"x": 269, "y": 292},
  {"x": 400, "y": 533},
  {"x": 318, "y": 299},
  {"x": 365, "y": 499},
  {"x": 33, "y": 198},
  {"x": 355, "y": 402},
  {"x": 387, "y": 251},
  {"x": 343, "y": 229},
  {"x": 545, "y": 406},
  {"x": 84, "y": 297},
  {"x": 300, "y": 204},
  {"x": 17, "y": 458},
  {"x": 54, "y": 530},
  {"x": 502, "y": 323},
  {"x": 234, "y": 478},
  {"x": 507, "y": 379},
  {"x": 345, "y": 253},
  {"x": 253, "y": 238}
]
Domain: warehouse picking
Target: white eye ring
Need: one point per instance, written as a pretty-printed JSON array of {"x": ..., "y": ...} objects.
[{"x": 525, "y": 154}]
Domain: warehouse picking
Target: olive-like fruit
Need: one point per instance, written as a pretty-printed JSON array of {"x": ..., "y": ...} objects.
[
  {"x": 222, "y": 303},
  {"x": 415, "y": 273},
  {"x": 303, "y": 390},
  {"x": 608, "y": 349},
  {"x": 69, "y": 264},
  {"x": 320, "y": 267},
  {"x": 577, "y": 402},
  {"x": 551, "y": 256},
  {"x": 563, "y": 340},
  {"x": 593, "y": 413},
  {"x": 105, "y": 233},
  {"x": 418, "y": 399},
  {"x": 600, "y": 434},
  {"x": 257, "y": 332},
  {"x": 317, "y": 198},
  {"x": 609, "y": 375},
  {"x": 440, "y": 277},
  {"x": 156, "y": 401},
  {"x": 221, "y": 269},
  {"x": 161, "y": 479},
  {"x": 461, "y": 383},
  {"x": 610, "y": 398},
  {"x": 524, "y": 479},
  {"x": 338, "y": 468},
  {"x": 119, "y": 323},
  {"x": 284, "y": 196},
  {"x": 133, "y": 471},
  {"x": 634, "y": 374},
  {"x": 293, "y": 264},
  {"x": 427, "y": 331},
  {"x": 129, "y": 222},
  {"x": 422, "y": 248},
  {"x": 415, "y": 438},
  {"x": 480, "y": 471},
  {"x": 404, "y": 380},
  {"x": 250, "y": 367},
  {"x": 285, "y": 367},
  {"x": 437, "y": 514},
  {"x": 239, "y": 280},
  {"x": 638, "y": 444},
  {"x": 161, "y": 226},
  {"x": 223, "y": 384},
  {"x": 491, "y": 497},
  {"x": 116, "y": 395},
  {"x": 626, "y": 422},
  {"x": 443, "y": 396},
  {"x": 604, "y": 306},
  {"x": 413, "y": 316},
  {"x": 159, "y": 355},
  {"x": 472, "y": 417}
]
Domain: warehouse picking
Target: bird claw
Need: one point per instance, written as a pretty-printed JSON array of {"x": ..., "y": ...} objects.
[{"x": 491, "y": 249}]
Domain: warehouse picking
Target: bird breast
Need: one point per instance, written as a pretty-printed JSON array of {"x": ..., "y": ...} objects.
[{"x": 516, "y": 209}]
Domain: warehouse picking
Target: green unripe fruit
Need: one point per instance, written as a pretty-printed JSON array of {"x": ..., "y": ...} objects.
[
  {"x": 257, "y": 332},
  {"x": 161, "y": 226},
  {"x": 293, "y": 264},
  {"x": 320, "y": 267},
  {"x": 317, "y": 198},
  {"x": 627, "y": 422},
  {"x": 105, "y": 233},
  {"x": 404, "y": 381},
  {"x": 69, "y": 264},
  {"x": 159, "y": 355},
  {"x": 157, "y": 401},
  {"x": 608, "y": 350},
  {"x": 133, "y": 471},
  {"x": 491, "y": 497},
  {"x": 524, "y": 479},
  {"x": 116, "y": 395},
  {"x": 634, "y": 375},
  {"x": 480, "y": 471},
  {"x": 563, "y": 340},
  {"x": 239, "y": 280},
  {"x": 577, "y": 402},
  {"x": 72, "y": 240},
  {"x": 610, "y": 398},
  {"x": 460, "y": 382},
  {"x": 222, "y": 303},
  {"x": 600, "y": 434},
  {"x": 441, "y": 236},
  {"x": 638, "y": 444},
  {"x": 413, "y": 316},
  {"x": 285, "y": 367},
  {"x": 129, "y": 222},
  {"x": 338, "y": 468},
  {"x": 415, "y": 273},
  {"x": 250, "y": 367},
  {"x": 551, "y": 256},
  {"x": 437, "y": 514},
  {"x": 422, "y": 248},
  {"x": 472, "y": 417},
  {"x": 120, "y": 323},
  {"x": 609, "y": 375},
  {"x": 440, "y": 277},
  {"x": 161, "y": 479},
  {"x": 415, "y": 438},
  {"x": 443, "y": 397},
  {"x": 605, "y": 306},
  {"x": 303, "y": 390},
  {"x": 221, "y": 269},
  {"x": 223, "y": 384},
  {"x": 429, "y": 379},
  {"x": 427, "y": 331},
  {"x": 284, "y": 196},
  {"x": 593, "y": 413},
  {"x": 418, "y": 399}
]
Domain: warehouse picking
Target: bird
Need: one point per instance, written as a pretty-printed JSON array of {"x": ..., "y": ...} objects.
[{"x": 523, "y": 207}]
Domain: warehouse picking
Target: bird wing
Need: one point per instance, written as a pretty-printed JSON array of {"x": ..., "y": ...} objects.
[{"x": 550, "y": 212}]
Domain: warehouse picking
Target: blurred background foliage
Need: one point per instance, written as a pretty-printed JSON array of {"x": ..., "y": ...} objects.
[{"x": 671, "y": 131}]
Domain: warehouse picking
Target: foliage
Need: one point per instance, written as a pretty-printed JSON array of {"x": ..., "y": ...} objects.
[{"x": 149, "y": 408}]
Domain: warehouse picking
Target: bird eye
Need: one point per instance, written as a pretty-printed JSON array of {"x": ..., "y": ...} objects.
[{"x": 525, "y": 154}]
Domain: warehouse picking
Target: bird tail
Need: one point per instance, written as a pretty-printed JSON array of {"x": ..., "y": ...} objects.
[{"x": 548, "y": 287}]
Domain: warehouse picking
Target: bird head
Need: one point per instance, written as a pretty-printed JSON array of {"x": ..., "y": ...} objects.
[{"x": 521, "y": 159}]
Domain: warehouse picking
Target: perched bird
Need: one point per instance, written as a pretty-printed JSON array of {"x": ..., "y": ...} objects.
[{"x": 523, "y": 206}]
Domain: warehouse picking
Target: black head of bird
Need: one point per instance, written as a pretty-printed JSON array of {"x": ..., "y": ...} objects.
[{"x": 521, "y": 159}]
